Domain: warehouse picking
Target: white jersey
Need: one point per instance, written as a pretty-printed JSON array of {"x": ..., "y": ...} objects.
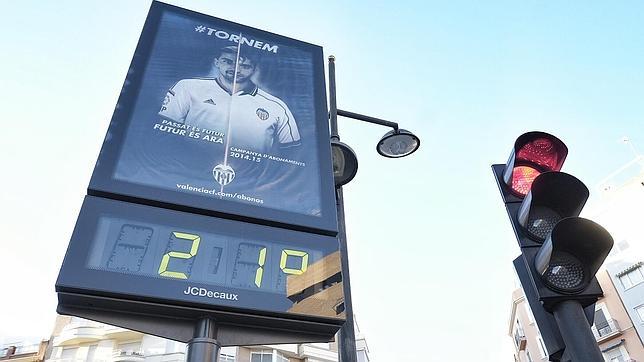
[{"x": 257, "y": 119}]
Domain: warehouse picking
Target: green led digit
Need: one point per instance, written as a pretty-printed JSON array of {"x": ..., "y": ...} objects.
[
  {"x": 163, "y": 267},
  {"x": 305, "y": 261},
  {"x": 260, "y": 269}
]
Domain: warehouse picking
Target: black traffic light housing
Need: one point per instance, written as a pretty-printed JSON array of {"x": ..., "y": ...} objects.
[
  {"x": 552, "y": 197},
  {"x": 569, "y": 259},
  {"x": 560, "y": 251}
]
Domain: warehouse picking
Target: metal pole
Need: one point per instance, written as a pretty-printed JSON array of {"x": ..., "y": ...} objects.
[
  {"x": 362, "y": 117},
  {"x": 576, "y": 333},
  {"x": 346, "y": 335},
  {"x": 204, "y": 347},
  {"x": 333, "y": 106}
]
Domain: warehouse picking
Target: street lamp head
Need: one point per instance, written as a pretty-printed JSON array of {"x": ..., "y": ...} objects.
[
  {"x": 398, "y": 143},
  {"x": 345, "y": 163}
]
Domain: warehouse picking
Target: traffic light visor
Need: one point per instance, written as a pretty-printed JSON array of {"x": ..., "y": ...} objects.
[
  {"x": 572, "y": 254},
  {"x": 552, "y": 197},
  {"x": 533, "y": 154}
]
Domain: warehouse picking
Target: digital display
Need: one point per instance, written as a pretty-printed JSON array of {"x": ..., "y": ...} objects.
[
  {"x": 171, "y": 252},
  {"x": 223, "y": 118},
  {"x": 139, "y": 252}
]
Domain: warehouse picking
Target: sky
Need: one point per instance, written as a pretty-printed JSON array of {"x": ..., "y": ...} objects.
[{"x": 430, "y": 246}]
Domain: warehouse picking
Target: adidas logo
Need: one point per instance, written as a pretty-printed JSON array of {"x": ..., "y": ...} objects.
[{"x": 210, "y": 101}]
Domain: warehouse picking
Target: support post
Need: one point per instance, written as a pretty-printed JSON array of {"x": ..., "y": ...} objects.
[
  {"x": 204, "y": 347},
  {"x": 576, "y": 333},
  {"x": 333, "y": 106},
  {"x": 346, "y": 335}
]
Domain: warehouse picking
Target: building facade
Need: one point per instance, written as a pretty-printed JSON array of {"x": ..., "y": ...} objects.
[
  {"x": 23, "y": 351},
  {"x": 529, "y": 345},
  {"x": 621, "y": 211},
  {"x": 613, "y": 329},
  {"x": 76, "y": 339}
]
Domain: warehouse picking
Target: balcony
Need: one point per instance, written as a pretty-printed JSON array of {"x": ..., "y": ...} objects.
[
  {"x": 25, "y": 349},
  {"x": 127, "y": 356},
  {"x": 76, "y": 333},
  {"x": 606, "y": 331},
  {"x": 121, "y": 334}
]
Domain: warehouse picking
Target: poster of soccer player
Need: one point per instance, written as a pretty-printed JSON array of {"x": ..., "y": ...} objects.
[{"x": 224, "y": 119}]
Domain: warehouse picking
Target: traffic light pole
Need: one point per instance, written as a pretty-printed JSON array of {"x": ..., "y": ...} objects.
[
  {"x": 204, "y": 347},
  {"x": 346, "y": 335},
  {"x": 576, "y": 333}
]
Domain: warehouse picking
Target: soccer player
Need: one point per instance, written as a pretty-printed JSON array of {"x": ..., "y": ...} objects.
[{"x": 232, "y": 103}]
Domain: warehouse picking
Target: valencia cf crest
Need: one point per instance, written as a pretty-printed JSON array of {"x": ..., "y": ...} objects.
[
  {"x": 262, "y": 114},
  {"x": 223, "y": 174}
]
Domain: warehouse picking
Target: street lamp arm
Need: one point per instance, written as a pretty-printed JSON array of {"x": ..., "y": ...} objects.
[{"x": 362, "y": 117}]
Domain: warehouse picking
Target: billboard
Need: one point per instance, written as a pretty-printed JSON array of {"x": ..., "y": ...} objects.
[{"x": 222, "y": 119}]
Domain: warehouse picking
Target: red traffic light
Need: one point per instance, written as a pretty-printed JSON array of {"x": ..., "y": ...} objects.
[{"x": 533, "y": 154}]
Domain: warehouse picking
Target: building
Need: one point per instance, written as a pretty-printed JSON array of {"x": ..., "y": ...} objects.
[
  {"x": 524, "y": 331},
  {"x": 77, "y": 339},
  {"x": 621, "y": 211},
  {"x": 613, "y": 330},
  {"x": 23, "y": 351}
]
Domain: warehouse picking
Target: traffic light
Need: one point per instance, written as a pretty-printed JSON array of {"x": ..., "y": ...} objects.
[
  {"x": 561, "y": 252},
  {"x": 533, "y": 154}
]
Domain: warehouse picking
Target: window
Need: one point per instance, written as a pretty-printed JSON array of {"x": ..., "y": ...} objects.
[
  {"x": 632, "y": 278},
  {"x": 542, "y": 347},
  {"x": 527, "y": 354},
  {"x": 640, "y": 312},
  {"x": 261, "y": 356},
  {"x": 600, "y": 319},
  {"x": 91, "y": 352},
  {"x": 69, "y": 353},
  {"x": 226, "y": 358},
  {"x": 623, "y": 245},
  {"x": 614, "y": 355},
  {"x": 281, "y": 358},
  {"x": 604, "y": 326}
]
